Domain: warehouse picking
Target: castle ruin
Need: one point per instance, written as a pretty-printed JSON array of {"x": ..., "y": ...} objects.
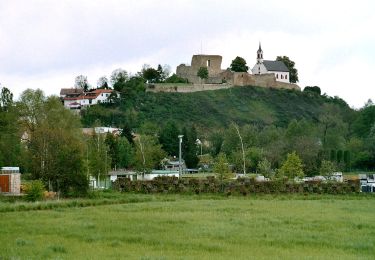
[{"x": 217, "y": 76}]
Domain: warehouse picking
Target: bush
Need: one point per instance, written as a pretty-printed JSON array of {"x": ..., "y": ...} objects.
[{"x": 34, "y": 190}]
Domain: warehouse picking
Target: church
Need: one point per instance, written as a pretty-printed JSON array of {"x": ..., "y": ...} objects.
[{"x": 278, "y": 68}]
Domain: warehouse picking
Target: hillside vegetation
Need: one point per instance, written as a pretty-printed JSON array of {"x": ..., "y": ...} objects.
[{"x": 216, "y": 109}]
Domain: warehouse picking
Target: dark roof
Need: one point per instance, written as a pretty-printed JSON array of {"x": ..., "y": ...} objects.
[
  {"x": 275, "y": 65},
  {"x": 66, "y": 91}
]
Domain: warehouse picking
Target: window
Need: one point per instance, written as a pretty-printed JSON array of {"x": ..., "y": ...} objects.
[
  {"x": 277, "y": 76},
  {"x": 208, "y": 63},
  {"x": 286, "y": 76},
  {"x": 282, "y": 76}
]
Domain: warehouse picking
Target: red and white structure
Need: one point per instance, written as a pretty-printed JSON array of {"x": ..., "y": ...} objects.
[{"x": 74, "y": 99}]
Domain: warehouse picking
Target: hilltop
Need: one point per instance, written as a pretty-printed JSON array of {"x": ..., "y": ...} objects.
[{"x": 216, "y": 109}]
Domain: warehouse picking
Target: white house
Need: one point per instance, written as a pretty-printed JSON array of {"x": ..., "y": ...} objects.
[
  {"x": 74, "y": 100},
  {"x": 278, "y": 68}
]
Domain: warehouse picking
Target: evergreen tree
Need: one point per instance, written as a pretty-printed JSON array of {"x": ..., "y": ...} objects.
[
  {"x": 126, "y": 153},
  {"x": 113, "y": 149},
  {"x": 292, "y": 167},
  {"x": 168, "y": 138},
  {"x": 189, "y": 147}
]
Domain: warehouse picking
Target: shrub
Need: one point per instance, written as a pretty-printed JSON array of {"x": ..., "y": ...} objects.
[{"x": 34, "y": 190}]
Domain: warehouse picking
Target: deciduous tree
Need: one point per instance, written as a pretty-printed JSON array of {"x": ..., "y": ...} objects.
[
  {"x": 239, "y": 65},
  {"x": 82, "y": 82},
  {"x": 202, "y": 73}
]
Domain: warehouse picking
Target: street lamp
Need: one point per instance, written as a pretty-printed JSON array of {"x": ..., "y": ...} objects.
[{"x": 179, "y": 155}]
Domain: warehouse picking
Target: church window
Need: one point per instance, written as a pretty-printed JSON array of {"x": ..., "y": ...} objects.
[
  {"x": 277, "y": 76},
  {"x": 286, "y": 76},
  {"x": 208, "y": 63},
  {"x": 282, "y": 77}
]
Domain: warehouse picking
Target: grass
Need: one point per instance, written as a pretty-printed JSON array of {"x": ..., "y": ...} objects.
[{"x": 196, "y": 227}]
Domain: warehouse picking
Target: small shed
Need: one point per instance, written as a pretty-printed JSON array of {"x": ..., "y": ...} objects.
[{"x": 10, "y": 180}]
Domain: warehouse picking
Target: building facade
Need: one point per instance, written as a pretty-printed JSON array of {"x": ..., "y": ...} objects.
[
  {"x": 278, "y": 68},
  {"x": 76, "y": 100}
]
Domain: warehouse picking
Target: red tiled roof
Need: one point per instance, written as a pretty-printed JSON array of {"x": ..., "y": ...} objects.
[{"x": 89, "y": 95}]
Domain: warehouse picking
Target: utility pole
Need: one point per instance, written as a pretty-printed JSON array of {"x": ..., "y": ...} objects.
[{"x": 180, "y": 156}]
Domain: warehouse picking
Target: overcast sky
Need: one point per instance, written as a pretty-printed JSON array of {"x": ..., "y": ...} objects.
[{"x": 45, "y": 44}]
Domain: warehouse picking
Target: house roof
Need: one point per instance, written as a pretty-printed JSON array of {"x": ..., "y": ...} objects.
[
  {"x": 67, "y": 91},
  {"x": 275, "y": 65},
  {"x": 89, "y": 95}
]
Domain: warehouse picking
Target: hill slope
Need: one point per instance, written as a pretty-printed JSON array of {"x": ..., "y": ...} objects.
[{"x": 216, "y": 109}]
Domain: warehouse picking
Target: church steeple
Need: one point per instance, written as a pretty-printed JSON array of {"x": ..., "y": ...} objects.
[{"x": 260, "y": 54}]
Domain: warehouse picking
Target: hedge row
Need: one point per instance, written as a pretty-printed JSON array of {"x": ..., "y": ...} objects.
[{"x": 239, "y": 186}]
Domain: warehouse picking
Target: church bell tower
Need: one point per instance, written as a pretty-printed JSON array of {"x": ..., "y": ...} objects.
[{"x": 260, "y": 54}]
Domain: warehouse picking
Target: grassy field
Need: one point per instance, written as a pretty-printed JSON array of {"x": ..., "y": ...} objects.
[{"x": 196, "y": 227}]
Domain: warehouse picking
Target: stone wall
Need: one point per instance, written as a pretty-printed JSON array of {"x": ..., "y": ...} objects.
[
  {"x": 231, "y": 79},
  {"x": 187, "y": 88},
  {"x": 211, "y": 62}
]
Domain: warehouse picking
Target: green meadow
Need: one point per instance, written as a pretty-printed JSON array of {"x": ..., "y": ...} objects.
[{"x": 195, "y": 227}]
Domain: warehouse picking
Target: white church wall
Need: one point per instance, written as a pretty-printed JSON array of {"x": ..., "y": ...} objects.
[
  {"x": 259, "y": 68},
  {"x": 281, "y": 76}
]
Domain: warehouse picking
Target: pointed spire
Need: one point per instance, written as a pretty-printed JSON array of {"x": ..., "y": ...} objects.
[{"x": 260, "y": 54}]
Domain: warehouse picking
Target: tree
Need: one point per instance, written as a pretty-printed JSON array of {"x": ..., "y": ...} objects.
[
  {"x": 313, "y": 89},
  {"x": 175, "y": 79},
  {"x": 103, "y": 83},
  {"x": 327, "y": 168},
  {"x": 127, "y": 132},
  {"x": 239, "y": 65},
  {"x": 81, "y": 82},
  {"x": 332, "y": 126},
  {"x": 55, "y": 144},
  {"x": 216, "y": 140},
  {"x": 113, "y": 149},
  {"x": 10, "y": 147},
  {"x": 189, "y": 147},
  {"x": 293, "y": 73},
  {"x": 152, "y": 75},
  {"x": 118, "y": 76},
  {"x": 6, "y": 98},
  {"x": 168, "y": 138},
  {"x": 221, "y": 169},
  {"x": 130, "y": 89},
  {"x": 264, "y": 168},
  {"x": 148, "y": 153},
  {"x": 292, "y": 167},
  {"x": 98, "y": 157},
  {"x": 202, "y": 73},
  {"x": 126, "y": 153}
]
